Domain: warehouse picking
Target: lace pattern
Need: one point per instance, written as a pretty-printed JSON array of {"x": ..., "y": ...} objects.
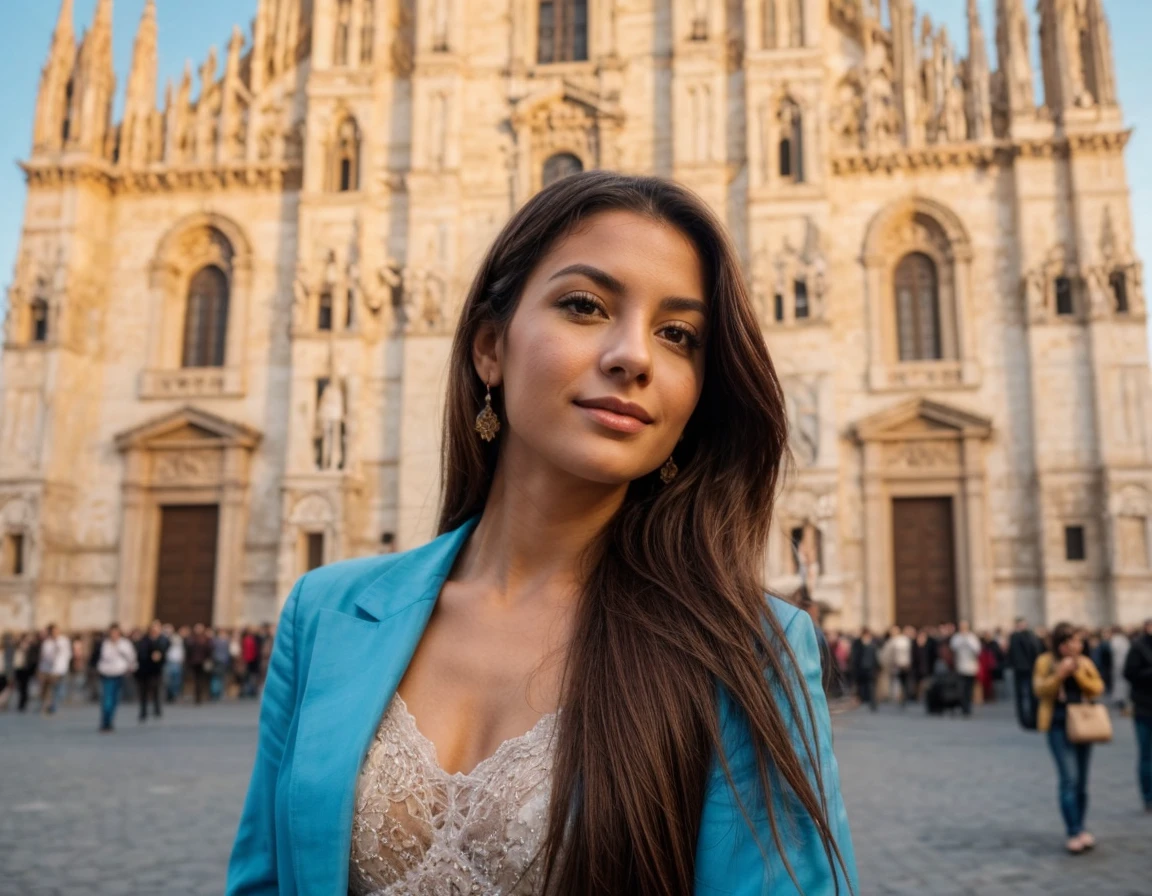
[{"x": 419, "y": 831}]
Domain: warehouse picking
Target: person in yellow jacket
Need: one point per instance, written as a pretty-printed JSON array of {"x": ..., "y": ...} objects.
[{"x": 1062, "y": 676}]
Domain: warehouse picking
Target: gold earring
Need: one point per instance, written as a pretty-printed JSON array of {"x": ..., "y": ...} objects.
[
  {"x": 669, "y": 470},
  {"x": 487, "y": 423}
]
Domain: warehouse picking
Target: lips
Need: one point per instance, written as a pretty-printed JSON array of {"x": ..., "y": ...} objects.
[{"x": 613, "y": 413}]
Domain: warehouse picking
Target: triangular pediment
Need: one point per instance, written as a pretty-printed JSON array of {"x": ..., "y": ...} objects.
[
  {"x": 922, "y": 418},
  {"x": 563, "y": 92},
  {"x": 188, "y": 427}
]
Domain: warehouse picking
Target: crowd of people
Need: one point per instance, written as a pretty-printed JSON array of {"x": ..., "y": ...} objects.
[
  {"x": 1051, "y": 675},
  {"x": 158, "y": 665}
]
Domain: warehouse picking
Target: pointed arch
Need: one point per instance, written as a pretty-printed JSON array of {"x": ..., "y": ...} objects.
[{"x": 344, "y": 164}]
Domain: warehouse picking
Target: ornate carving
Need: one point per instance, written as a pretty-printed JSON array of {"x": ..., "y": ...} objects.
[
  {"x": 312, "y": 510},
  {"x": 187, "y": 467},
  {"x": 922, "y": 454},
  {"x": 330, "y": 427},
  {"x": 192, "y": 382},
  {"x": 803, "y": 394},
  {"x": 1131, "y": 500}
]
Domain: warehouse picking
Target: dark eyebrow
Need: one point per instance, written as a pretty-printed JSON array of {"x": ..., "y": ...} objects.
[
  {"x": 607, "y": 281},
  {"x": 602, "y": 278}
]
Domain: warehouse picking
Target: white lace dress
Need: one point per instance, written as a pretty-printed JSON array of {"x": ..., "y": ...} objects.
[{"x": 419, "y": 831}]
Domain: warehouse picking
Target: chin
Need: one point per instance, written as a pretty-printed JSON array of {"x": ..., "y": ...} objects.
[{"x": 606, "y": 470}]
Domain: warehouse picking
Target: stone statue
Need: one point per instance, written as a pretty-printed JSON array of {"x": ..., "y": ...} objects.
[
  {"x": 955, "y": 114},
  {"x": 440, "y": 18},
  {"x": 330, "y": 426},
  {"x": 700, "y": 19},
  {"x": 301, "y": 294},
  {"x": 391, "y": 276},
  {"x": 355, "y": 288},
  {"x": 804, "y": 399},
  {"x": 331, "y": 271}
]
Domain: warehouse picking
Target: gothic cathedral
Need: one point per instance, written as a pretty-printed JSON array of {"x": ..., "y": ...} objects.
[{"x": 227, "y": 328}]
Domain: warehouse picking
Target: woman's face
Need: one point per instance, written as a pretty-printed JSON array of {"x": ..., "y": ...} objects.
[
  {"x": 1074, "y": 646},
  {"x": 603, "y": 361}
]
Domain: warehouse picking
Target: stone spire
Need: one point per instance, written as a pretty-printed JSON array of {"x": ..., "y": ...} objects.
[
  {"x": 141, "y": 97},
  {"x": 52, "y": 104},
  {"x": 979, "y": 77},
  {"x": 95, "y": 85},
  {"x": 228, "y": 142},
  {"x": 906, "y": 62},
  {"x": 1014, "y": 56}
]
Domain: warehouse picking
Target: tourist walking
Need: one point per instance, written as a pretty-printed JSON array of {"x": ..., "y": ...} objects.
[
  {"x": 590, "y": 564},
  {"x": 1065, "y": 676},
  {"x": 1120, "y": 647},
  {"x": 55, "y": 661},
  {"x": 865, "y": 663},
  {"x": 896, "y": 657},
  {"x": 1023, "y": 650},
  {"x": 966, "y": 661},
  {"x": 221, "y": 664},
  {"x": 199, "y": 652},
  {"x": 1138, "y": 672},
  {"x": 24, "y": 660},
  {"x": 151, "y": 650},
  {"x": 117, "y": 660},
  {"x": 174, "y": 659}
]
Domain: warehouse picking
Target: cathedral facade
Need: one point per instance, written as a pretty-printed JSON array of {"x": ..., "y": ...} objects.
[{"x": 230, "y": 315}]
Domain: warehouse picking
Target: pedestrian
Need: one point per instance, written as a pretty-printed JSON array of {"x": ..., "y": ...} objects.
[
  {"x": 986, "y": 670},
  {"x": 24, "y": 661},
  {"x": 221, "y": 662},
  {"x": 1063, "y": 676},
  {"x": 1101, "y": 655},
  {"x": 151, "y": 650},
  {"x": 966, "y": 661},
  {"x": 1024, "y": 648},
  {"x": 923, "y": 655},
  {"x": 55, "y": 661},
  {"x": 7, "y": 669},
  {"x": 250, "y": 647},
  {"x": 865, "y": 662},
  {"x": 896, "y": 657},
  {"x": 1138, "y": 672},
  {"x": 1121, "y": 643},
  {"x": 199, "y": 652},
  {"x": 92, "y": 678},
  {"x": 174, "y": 659},
  {"x": 117, "y": 660},
  {"x": 587, "y": 566}
]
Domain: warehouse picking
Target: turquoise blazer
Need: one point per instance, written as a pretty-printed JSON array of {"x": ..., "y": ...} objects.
[{"x": 346, "y": 636}]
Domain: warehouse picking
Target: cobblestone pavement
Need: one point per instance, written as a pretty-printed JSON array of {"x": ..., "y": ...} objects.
[{"x": 939, "y": 807}]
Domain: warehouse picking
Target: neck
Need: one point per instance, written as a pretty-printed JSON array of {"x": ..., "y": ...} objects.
[{"x": 534, "y": 530}]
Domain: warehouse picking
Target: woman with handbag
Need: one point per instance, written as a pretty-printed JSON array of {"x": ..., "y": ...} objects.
[{"x": 1065, "y": 681}]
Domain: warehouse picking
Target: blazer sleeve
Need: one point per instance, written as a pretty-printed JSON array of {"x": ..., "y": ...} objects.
[
  {"x": 1045, "y": 679},
  {"x": 1088, "y": 677},
  {"x": 736, "y": 860},
  {"x": 252, "y": 867}
]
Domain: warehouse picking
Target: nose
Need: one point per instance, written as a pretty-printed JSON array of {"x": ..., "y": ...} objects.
[{"x": 627, "y": 353}]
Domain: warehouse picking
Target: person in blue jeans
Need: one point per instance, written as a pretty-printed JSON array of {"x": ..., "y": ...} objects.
[
  {"x": 117, "y": 659},
  {"x": 1138, "y": 671},
  {"x": 1062, "y": 676}
]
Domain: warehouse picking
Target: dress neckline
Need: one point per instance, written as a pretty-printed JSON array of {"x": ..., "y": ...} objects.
[{"x": 477, "y": 773}]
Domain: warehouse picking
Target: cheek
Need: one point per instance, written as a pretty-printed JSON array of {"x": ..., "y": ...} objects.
[{"x": 540, "y": 367}]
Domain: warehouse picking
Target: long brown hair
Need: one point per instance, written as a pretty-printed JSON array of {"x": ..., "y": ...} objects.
[{"x": 672, "y": 609}]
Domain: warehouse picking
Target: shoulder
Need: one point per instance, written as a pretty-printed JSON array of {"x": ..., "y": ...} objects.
[
  {"x": 338, "y": 585},
  {"x": 1044, "y": 662}
]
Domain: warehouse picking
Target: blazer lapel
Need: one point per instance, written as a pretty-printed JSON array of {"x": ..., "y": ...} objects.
[{"x": 356, "y": 665}]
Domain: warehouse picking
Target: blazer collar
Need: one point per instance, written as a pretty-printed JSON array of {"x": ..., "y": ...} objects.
[{"x": 425, "y": 567}]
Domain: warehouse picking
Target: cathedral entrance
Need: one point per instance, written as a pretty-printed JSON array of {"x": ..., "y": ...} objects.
[
  {"x": 186, "y": 564},
  {"x": 924, "y": 561}
]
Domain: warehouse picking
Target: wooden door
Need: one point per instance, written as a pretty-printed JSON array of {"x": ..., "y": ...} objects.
[
  {"x": 186, "y": 566},
  {"x": 925, "y": 567}
]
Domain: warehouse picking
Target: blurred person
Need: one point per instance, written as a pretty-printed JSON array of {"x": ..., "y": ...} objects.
[
  {"x": 174, "y": 660},
  {"x": 1100, "y": 652},
  {"x": 7, "y": 669},
  {"x": 1063, "y": 676},
  {"x": 250, "y": 646},
  {"x": 151, "y": 650},
  {"x": 199, "y": 651},
  {"x": 1138, "y": 673},
  {"x": 77, "y": 670},
  {"x": 896, "y": 657},
  {"x": 1024, "y": 648},
  {"x": 923, "y": 653},
  {"x": 24, "y": 663},
  {"x": 1121, "y": 644},
  {"x": 865, "y": 663},
  {"x": 117, "y": 661},
  {"x": 55, "y": 661},
  {"x": 91, "y": 676},
  {"x": 986, "y": 669},
  {"x": 221, "y": 664},
  {"x": 966, "y": 661}
]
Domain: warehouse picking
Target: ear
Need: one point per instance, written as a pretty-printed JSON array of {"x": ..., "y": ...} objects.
[{"x": 487, "y": 355}]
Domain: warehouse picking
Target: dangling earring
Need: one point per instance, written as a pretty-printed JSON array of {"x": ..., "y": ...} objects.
[
  {"x": 669, "y": 470},
  {"x": 487, "y": 423}
]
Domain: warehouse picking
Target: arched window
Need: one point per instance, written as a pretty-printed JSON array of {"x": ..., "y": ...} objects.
[
  {"x": 324, "y": 311},
  {"x": 562, "y": 31},
  {"x": 800, "y": 290},
  {"x": 561, "y": 165},
  {"x": 39, "y": 320},
  {"x": 345, "y": 174},
  {"x": 343, "y": 31},
  {"x": 918, "y": 308},
  {"x": 206, "y": 319},
  {"x": 367, "y": 32},
  {"x": 791, "y": 143},
  {"x": 1064, "y": 299},
  {"x": 1118, "y": 281}
]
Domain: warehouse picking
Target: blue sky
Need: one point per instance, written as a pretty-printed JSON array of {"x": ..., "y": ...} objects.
[{"x": 189, "y": 27}]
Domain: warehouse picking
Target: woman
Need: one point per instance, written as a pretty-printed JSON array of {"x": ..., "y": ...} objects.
[
  {"x": 579, "y": 687},
  {"x": 117, "y": 660},
  {"x": 1062, "y": 676}
]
